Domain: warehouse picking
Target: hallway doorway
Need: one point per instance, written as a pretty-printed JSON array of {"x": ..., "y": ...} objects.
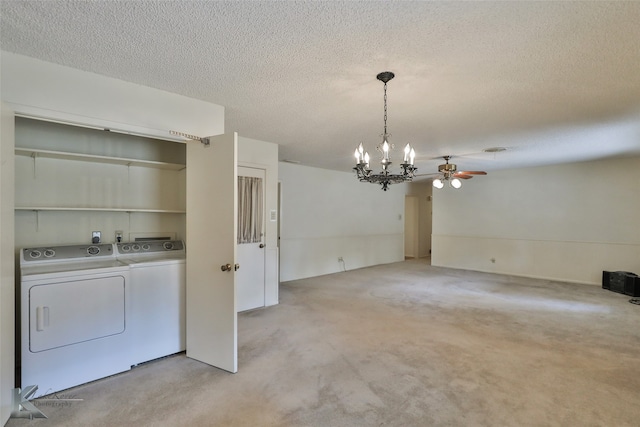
[{"x": 418, "y": 221}]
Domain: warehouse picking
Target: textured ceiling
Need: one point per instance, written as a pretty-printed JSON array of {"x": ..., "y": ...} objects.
[{"x": 552, "y": 81}]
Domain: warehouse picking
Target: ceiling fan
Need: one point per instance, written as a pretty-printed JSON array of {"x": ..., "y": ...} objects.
[{"x": 449, "y": 172}]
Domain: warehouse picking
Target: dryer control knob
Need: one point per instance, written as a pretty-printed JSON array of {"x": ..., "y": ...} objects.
[{"x": 34, "y": 254}]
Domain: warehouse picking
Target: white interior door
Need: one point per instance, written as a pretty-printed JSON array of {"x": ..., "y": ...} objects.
[
  {"x": 250, "y": 278},
  {"x": 212, "y": 328}
]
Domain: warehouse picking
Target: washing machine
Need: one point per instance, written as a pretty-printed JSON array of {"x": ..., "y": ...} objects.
[
  {"x": 158, "y": 297},
  {"x": 74, "y": 316}
]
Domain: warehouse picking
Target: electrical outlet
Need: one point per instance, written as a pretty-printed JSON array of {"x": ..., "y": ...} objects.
[
  {"x": 340, "y": 259},
  {"x": 118, "y": 236},
  {"x": 95, "y": 237}
]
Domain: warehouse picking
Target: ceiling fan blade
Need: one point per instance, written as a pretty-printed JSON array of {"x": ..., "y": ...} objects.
[
  {"x": 473, "y": 172},
  {"x": 462, "y": 176}
]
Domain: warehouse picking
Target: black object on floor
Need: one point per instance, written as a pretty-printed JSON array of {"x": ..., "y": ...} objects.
[{"x": 622, "y": 282}]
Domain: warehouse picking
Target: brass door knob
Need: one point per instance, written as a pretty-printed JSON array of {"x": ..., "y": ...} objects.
[
  {"x": 261, "y": 245},
  {"x": 225, "y": 267}
]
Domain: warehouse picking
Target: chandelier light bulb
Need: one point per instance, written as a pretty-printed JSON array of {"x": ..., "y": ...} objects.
[
  {"x": 456, "y": 183},
  {"x": 366, "y": 158},
  {"x": 359, "y": 154},
  {"x": 385, "y": 150},
  {"x": 412, "y": 156},
  {"x": 438, "y": 183},
  {"x": 407, "y": 150}
]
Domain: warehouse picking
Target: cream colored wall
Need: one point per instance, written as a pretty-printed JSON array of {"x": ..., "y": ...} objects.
[
  {"x": 565, "y": 222},
  {"x": 7, "y": 273},
  {"x": 328, "y": 214},
  {"x": 37, "y": 88},
  {"x": 40, "y": 89},
  {"x": 264, "y": 155},
  {"x": 45, "y": 182}
]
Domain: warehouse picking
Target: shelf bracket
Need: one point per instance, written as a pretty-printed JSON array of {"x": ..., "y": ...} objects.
[{"x": 34, "y": 156}]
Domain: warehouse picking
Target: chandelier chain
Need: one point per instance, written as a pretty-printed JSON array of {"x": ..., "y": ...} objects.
[{"x": 385, "y": 109}]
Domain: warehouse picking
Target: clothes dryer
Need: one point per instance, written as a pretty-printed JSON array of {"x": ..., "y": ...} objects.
[{"x": 74, "y": 316}]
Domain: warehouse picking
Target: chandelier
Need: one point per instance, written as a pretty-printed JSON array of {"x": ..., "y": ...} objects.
[{"x": 385, "y": 177}]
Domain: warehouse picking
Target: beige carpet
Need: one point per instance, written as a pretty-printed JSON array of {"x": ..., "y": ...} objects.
[{"x": 404, "y": 344}]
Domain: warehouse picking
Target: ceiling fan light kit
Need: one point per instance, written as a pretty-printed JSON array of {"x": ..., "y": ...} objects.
[
  {"x": 385, "y": 177},
  {"x": 449, "y": 172},
  {"x": 439, "y": 183}
]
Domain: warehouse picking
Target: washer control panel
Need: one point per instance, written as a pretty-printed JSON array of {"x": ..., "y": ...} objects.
[
  {"x": 154, "y": 246},
  {"x": 61, "y": 253}
]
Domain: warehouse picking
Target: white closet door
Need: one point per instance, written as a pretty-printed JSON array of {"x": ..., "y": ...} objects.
[{"x": 212, "y": 328}]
